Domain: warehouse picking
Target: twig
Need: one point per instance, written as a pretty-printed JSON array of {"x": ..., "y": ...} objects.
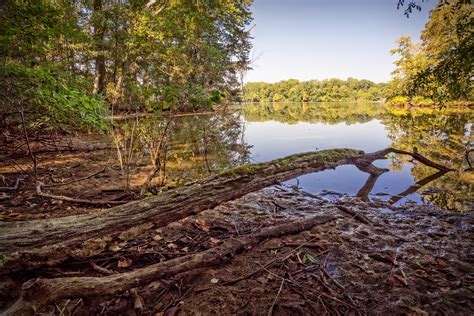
[
  {"x": 25, "y": 132},
  {"x": 270, "y": 311},
  {"x": 4, "y": 196},
  {"x": 339, "y": 285},
  {"x": 297, "y": 284},
  {"x": 269, "y": 263},
  {"x": 355, "y": 214},
  {"x": 138, "y": 301},
  {"x": 100, "y": 269},
  {"x": 70, "y": 199},
  {"x": 13, "y": 188},
  {"x": 75, "y": 180}
]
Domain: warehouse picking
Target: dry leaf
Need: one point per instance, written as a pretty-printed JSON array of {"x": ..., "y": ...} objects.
[
  {"x": 416, "y": 311},
  {"x": 124, "y": 262},
  {"x": 202, "y": 225},
  {"x": 172, "y": 245},
  {"x": 215, "y": 240},
  {"x": 441, "y": 263},
  {"x": 421, "y": 273}
]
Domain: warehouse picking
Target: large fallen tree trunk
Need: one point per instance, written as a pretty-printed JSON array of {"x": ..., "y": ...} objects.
[
  {"x": 29, "y": 244},
  {"x": 39, "y": 292},
  {"x": 24, "y": 245}
]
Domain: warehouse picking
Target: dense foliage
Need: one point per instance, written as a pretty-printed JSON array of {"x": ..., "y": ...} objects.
[
  {"x": 313, "y": 91},
  {"x": 436, "y": 70},
  {"x": 440, "y": 67},
  {"x": 47, "y": 101},
  {"x": 130, "y": 54}
]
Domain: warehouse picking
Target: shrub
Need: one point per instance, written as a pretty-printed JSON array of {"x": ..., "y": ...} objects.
[
  {"x": 398, "y": 100},
  {"x": 49, "y": 101}
]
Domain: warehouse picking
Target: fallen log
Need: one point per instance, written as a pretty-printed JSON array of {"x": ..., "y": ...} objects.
[
  {"x": 39, "y": 292},
  {"x": 35, "y": 243}
]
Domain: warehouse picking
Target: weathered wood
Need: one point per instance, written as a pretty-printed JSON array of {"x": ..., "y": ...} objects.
[
  {"x": 35, "y": 243},
  {"x": 39, "y": 292}
]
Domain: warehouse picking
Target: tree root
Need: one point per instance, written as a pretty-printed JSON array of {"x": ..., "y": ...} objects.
[
  {"x": 13, "y": 188},
  {"x": 37, "y": 293}
]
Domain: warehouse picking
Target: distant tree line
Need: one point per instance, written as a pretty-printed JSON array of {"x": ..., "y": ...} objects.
[
  {"x": 313, "y": 91},
  {"x": 437, "y": 70}
]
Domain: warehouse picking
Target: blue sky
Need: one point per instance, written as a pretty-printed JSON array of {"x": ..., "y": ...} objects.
[{"x": 320, "y": 39}]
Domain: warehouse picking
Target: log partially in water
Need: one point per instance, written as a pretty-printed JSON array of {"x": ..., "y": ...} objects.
[{"x": 35, "y": 243}]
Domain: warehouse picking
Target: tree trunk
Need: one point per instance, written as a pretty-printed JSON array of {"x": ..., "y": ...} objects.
[
  {"x": 28, "y": 244},
  {"x": 99, "y": 32}
]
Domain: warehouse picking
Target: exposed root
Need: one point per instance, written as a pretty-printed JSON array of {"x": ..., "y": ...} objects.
[{"x": 13, "y": 188}]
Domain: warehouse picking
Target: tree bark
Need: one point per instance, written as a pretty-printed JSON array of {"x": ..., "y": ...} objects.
[
  {"x": 29, "y": 244},
  {"x": 99, "y": 32},
  {"x": 39, "y": 292}
]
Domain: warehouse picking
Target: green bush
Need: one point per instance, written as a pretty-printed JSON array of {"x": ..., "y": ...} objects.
[
  {"x": 48, "y": 100},
  {"x": 422, "y": 101},
  {"x": 398, "y": 100}
]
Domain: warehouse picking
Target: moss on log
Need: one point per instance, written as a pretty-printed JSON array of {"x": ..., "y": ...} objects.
[{"x": 35, "y": 243}]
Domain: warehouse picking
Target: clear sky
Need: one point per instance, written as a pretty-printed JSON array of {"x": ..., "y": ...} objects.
[{"x": 320, "y": 39}]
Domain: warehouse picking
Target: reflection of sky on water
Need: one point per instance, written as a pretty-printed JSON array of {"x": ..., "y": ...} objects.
[{"x": 273, "y": 140}]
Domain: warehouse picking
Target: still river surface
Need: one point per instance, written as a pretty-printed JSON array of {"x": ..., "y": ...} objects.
[{"x": 262, "y": 132}]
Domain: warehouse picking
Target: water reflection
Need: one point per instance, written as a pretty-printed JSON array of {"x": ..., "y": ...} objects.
[
  {"x": 200, "y": 145},
  {"x": 276, "y": 130}
]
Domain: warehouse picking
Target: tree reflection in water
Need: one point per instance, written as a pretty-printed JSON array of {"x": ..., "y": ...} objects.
[{"x": 441, "y": 135}]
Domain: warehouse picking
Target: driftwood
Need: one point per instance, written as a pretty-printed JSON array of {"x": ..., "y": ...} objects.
[
  {"x": 39, "y": 292},
  {"x": 30, "y": 244},
  {"x": 35, "y": 243}
]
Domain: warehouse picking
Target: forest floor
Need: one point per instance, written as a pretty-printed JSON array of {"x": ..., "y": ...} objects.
[{"x": 406, "y": 259}]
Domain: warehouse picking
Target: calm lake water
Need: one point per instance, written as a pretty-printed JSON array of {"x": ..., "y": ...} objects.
[
  {"x": 278, "y": 130},
  {"x": 204, "y": 144}
]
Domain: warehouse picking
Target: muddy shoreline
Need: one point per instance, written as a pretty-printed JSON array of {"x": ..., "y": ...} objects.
[{"x": 406, "y": 260}]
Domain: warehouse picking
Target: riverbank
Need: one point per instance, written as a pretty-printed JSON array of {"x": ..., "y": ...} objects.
[{"x": 375, "y": 258}]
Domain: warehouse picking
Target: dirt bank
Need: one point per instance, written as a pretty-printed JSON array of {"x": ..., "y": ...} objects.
[{"x": 371, "y": 259}]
